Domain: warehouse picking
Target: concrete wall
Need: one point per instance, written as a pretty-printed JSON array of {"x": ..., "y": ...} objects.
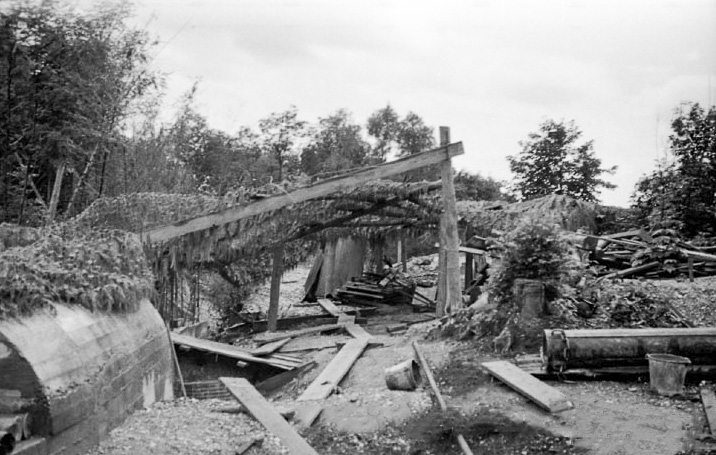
[{"x": 80, "y": 373}]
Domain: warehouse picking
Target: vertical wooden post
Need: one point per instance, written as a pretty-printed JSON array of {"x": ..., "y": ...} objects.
[
  {"x": 275, "y": 287},
  {"x": 400, "y": 251},
  {"x": 55, "y": 197},
  {"x": 403, "y": 255},
  {"x": 449, "y": 242},
  {"x": 469, "y": 261},
  {"x": 378, "y": 244}
]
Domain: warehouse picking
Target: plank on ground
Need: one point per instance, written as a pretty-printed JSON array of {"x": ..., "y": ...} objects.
[
  {"x": 227, "y": 351},
  {"x": 543, "y": 395},
  {"x": 358, "y": 332},
  {"x": 309, "y": 344},
  {"x": 269, "y": 348},
  {"x": 268, "y": 416},
  {"x": 307, "y": 413},
  {"x": 336, "y": 369},
  {"x": 709, "y": 401},
  {"x": 276, "y": 336},
  {"x": 330, "y": 307}
]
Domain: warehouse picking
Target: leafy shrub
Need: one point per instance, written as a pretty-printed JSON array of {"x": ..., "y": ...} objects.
[{"x": 532, "y": 250}]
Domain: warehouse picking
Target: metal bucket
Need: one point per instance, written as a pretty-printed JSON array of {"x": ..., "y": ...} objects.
[
  {"x": 403, "y": 376},
  {"x": 667, "y": 373}
]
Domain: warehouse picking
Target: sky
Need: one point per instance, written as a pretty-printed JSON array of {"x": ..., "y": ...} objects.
[{"x": 491, "y": 70}]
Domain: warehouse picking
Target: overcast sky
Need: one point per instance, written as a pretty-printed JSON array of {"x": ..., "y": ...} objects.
[{"x": 490, "y": 70}]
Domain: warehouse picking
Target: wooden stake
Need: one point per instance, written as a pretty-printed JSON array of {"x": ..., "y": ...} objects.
[
  {"x": 429, "y": 375},
  {"x": 275, "y": 287},
  {"x": 176, "y": 362},
  {"x": 55, "y": 197}
]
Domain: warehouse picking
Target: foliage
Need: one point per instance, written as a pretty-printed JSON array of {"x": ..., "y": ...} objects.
[
  {"x": 280, "y": 132},
  {"x": 68, "y": 80},
  {"x": 684, "y": 190},
  {"x": 102, "y": 271},
  {"x": 552, "y": 162},
  {"x": 474, "y": 187},
  {"x": 532, "y": 250},
  {"x": 336, "y": 145}
]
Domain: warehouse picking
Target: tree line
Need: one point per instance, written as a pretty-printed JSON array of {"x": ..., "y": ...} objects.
[{"x": 80, "y": 119}]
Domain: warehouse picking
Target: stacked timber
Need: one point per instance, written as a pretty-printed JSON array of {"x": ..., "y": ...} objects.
[
  {"x": 658, "y": 254},
  {"x": 371, "y": 288}
]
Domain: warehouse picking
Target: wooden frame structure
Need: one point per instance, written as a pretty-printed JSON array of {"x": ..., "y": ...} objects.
[{"x": 449, "y": 264}]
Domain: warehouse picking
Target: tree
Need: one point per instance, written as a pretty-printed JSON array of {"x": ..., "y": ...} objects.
[
  {"x": 474, "y": 187},
  {"x": 383, "y": 127},
  {"x": 336, "y": 144},
  {"x": 67, "y": 82},
  {"x": 552, "y": 162},
  {"x": 280, "y": 133},
  {"x": 683, "y": 191}
]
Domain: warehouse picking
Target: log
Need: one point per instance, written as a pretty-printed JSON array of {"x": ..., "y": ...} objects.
[{"x": 601, "y": 348}]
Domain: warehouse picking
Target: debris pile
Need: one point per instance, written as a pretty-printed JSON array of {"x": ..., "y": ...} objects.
[{"x": 372, "y": 288}]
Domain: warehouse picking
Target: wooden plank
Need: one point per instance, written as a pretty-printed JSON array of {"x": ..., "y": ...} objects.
[
  {"x": 269, "y": 348},
  {"x": 468, "y": 250},
  {"x": 303, "y": 344},
  {"x": 709, "y": 401},
  {"x": 226, "y": 350},
  {"x": 307, "y": 413},
  {"x": 425, "y": 367},
  {"x": 632, "y": 270},
  {"x": 342, "y": 183},
  {"x": 275, "y": 336},
  {"x": 330, "y": 307},
  {"x": 336, "y": 369},
  {"x": 262, "y": 411},
  {"x": 358, "y": 332},
  {"x": 243, "y": 448},
  {"x": 545, "y": 396},
  {"x": 279, "y": 380}
]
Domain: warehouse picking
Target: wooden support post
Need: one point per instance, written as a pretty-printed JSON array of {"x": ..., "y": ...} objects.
[
  {"x": 378, "y": 244},
  {"x": 400, "y": 251},
  {"x": 275, "y": 287},
  {"x": 449, "y": 242},
  {"x": 469, "y": 262},
  {"x": 55, "y": 197}
]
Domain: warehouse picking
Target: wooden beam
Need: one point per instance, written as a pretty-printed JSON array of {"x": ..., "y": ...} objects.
[
  {"x": 543, "y": 395},
  {"x": 262, "y": 411},
  {"x": 342, "y": 183},
  {"x": 449, "y": 239},
  {"x": 338, "y": 367},
  {"x": 269, "y": 337},
  {"x": 276, "y": 273},
  {"x": 429, "y": 376}
]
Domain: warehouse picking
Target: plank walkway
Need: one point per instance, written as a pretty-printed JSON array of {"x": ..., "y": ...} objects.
[
  {"x": 338, "y": 367},
  {"x": 262, "y": 411},
  {"x": 545, "y": 396}
]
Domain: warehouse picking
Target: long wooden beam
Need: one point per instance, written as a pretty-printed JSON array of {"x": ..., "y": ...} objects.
[{"x": 342, "y": 183}]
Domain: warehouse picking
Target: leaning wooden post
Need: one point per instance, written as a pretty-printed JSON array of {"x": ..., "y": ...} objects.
[
  {"x": 275, "y": 287},
  {"x": 449, "y": 242}
]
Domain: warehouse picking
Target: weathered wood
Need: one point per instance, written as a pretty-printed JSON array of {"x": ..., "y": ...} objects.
[
  {"x": 266, "y": 337},
  {"x": 336, "y": 369},
  {"x": 268, "y": 416},
  {"x": 330, "y": 307},
  {"x": 633, "y": 270},
  {"x": 449, "y": 239},
  {"x": 228, "y": 351},
  {"x": 276, "y": 273},
  {"x": 243, "y": 448},
  {"x": 545, "y": 396},
  {"x": 307, "y": 413},
  {"x": 463, "y": 445},
  {"x": 176, "y": 364},
  {"x": 311, "y": 284},
  {"x": 358, "y": 332},
  {"x": 269, "y": 348},
  {"x": 324, "y": 188},
  {"x": 708, "y": 399},
  {"x": 468, "y": 250},
  {"x": 308, "y": 344},
  {"x": 429, "y": 375},
  {"x": 279, "y": 380}
]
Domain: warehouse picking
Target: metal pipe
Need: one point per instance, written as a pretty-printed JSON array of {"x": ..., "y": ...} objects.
[{"x": 599, "y": 348}]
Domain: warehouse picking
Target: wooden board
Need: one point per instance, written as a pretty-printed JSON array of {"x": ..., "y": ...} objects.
[
  {"x": 269, "y": 348},
  {"x": 709, "y": 401},
  {"x": 279, "y": 380},
  {"x": 545, "y": 396},
  {"x": 276, "y": 336},
  {"x": 262, "y": 411},
  {"x": 425, "y": 367},
  {"x": 323, "y": 188},
  {"x": 331, "y": 376},
  {"x": 307, "y": 413},
  {"x": 227, "y": 350},
  {"x": 358, "y": 332},
  {"x": 330, "y": 307},
  {"x": 308, "y": 344}
]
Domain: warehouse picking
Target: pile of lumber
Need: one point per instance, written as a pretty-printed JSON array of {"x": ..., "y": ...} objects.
[
  {"x": 658, "y": 254},
  {"x": 372, "y": 288}
]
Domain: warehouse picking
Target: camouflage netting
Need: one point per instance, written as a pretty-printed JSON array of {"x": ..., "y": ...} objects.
[
  {"x": 569, "y": 214},
  {"x": 100, "y": 270},
  {"x": 97, "y": 259}
]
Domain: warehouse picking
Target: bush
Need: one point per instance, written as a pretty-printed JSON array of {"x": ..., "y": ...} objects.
[{"x": 532, "y": 250}]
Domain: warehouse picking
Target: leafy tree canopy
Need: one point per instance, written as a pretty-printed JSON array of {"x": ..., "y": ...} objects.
[
  {"x": 551, "y": 161},
  {"x": 681, "y": 193}
]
